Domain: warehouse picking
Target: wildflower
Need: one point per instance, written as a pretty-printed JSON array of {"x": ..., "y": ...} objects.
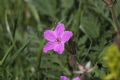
[
  {"x": 66, "y": 78},
  {"x": 84, "y": 69},
  {"x": 56, "y": 39}
]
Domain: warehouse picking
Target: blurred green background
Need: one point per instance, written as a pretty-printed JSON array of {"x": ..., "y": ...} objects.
[{"x": 22, "y": 23}]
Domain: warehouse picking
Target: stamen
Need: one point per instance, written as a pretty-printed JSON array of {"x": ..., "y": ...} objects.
[{"x": 58, "y": 40}]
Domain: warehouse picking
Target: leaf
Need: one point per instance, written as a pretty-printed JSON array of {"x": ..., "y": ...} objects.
[
  {"x": 46, "y": 7},
  {"x": 90, "y": 26},
  {"x": 19, "y": 50},
  {"x": 82, "y": 40}
]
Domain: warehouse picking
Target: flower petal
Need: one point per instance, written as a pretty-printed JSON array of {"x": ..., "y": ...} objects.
[
  {"x": 48, "y": 46},
  {"x": 88, "y": 65},
  {"x": 59, "y": 48},
  {"x": 59, "y": 29},
  {"x": 49, "y": 35},
  {"x": 81, "y": 67},
  {"x": 64, "y": 78},
  {"x": 66, "y": 36},
  {"x": 76, "y": 78}
]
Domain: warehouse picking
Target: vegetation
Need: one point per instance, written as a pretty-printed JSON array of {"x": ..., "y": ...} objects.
[{"x": 95, "y": 27}]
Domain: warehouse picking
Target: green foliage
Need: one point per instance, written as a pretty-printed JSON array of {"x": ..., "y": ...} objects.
[
  {"x": 111, "y": 59},
  {"x": 22, "y": 23},
  {"x": 90, "y": 26}
]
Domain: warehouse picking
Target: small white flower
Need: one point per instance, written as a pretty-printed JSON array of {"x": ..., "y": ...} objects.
[{"x": 84, "y": 69}]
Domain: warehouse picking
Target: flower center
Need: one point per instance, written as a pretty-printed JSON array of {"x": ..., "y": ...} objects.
[{"x": 58, "y": 40}]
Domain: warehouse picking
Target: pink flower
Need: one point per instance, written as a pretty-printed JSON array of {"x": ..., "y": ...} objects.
[
  {"x": 56, "y": 39},
  {"x": 66, "y": 78}
]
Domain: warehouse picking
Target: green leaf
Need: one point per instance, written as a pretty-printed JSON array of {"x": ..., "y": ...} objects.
[{"x": 90, "y": 26}]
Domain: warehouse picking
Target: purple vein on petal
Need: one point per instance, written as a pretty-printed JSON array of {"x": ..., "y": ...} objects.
[
  {"x": 76, "y": 78},
  {"x": 64, "y": 78},
  {"x": 59, "y": 48},
  {"x": 48, "y": 46},
  {"x": 66, "y": 36},
  {"x": 59, "y": 29},
  {"x": 49, "y": 35}
]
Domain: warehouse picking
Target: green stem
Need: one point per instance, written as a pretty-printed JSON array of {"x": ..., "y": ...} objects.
[
  {"x": 115, "y": 21},
  {"x": 6, "y": 54},
  {"x": 87, "y": 50},
  {"x": 15, "y": 27},
  {"x": 38, "y": 66},
  {"x": 62, "y": 66}
]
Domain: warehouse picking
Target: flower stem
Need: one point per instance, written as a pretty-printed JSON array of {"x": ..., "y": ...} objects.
[
  {"x": 6, "y": 54},
  {"x": 114, "y": 17}
]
